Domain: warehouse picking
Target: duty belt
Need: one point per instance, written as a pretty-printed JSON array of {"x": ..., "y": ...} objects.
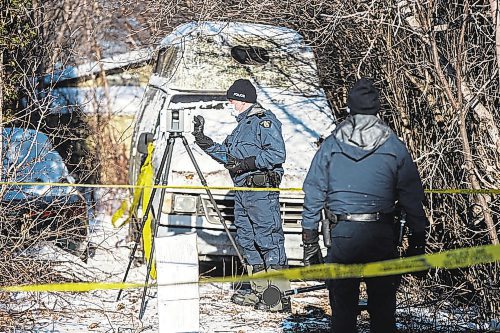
[
  {"x": 251, "y": 181},
  {"x": 374, "y": 217},
  {"x": 263, "y": 179},
  {"x": 368, "y": 217}
]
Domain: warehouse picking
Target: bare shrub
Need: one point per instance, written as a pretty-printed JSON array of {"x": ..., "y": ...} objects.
[{"x": 434, "y": 62}]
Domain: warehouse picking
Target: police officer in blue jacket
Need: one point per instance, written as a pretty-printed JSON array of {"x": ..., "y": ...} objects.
[
  {"x": 253, "y": 153},
  {"x": 359, "y": 173}
]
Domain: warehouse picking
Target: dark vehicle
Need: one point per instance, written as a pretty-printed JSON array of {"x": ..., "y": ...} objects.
[{"x": 33, "y": 213}]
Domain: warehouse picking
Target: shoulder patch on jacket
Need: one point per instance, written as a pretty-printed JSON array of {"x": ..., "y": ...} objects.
[{"x": 265, "y": 123}]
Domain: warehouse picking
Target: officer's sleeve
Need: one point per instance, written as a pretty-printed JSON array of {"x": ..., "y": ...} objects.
[
  {"x": 411, "y": 193},
  {"x": 315, "y": 188},
  {"x": 218, "y": 152},
  {"x": 272, "y": 145}
]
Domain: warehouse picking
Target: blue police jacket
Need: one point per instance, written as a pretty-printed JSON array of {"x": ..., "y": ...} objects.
[
  {"x": 363, "y": 167},
  {"x": 258, "y": 134}
]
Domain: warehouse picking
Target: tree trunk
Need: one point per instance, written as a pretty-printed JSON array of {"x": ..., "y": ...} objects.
[
  {"x": 70, "y": 12},
  {"x": 495, "y": 16},
  {"x": 1, "y": 118},
  {"x": 458, "y": 106},
  {"x": 464, "y": 93}
]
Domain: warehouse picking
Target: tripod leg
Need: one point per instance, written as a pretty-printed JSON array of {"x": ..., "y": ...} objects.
[
  {"x": 169, "y": 147},
  {"x": 212, "y": 200},
  {"x": 156, "y": 223},
  {"x": 148, "y": 270}
]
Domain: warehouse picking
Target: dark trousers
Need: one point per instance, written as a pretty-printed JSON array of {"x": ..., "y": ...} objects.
[
  {"x": 259, "y": 230},
  {"x": 344, "y": 298},
  {"x": 355, "y": 243}
]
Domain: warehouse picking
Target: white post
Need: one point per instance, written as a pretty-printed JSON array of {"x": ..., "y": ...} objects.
[{"x": 178, "y": 304}]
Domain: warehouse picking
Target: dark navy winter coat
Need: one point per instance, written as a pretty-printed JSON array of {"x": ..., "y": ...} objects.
[
  {"x": 362, "y": 167},
  {"x": 258, "y": 134},
  {"x": 259, "y": 229}
]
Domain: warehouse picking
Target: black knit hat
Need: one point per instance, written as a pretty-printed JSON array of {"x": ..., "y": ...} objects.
[
  {"x": 363, "y": 98},
  {"x": 242, "y": 90}
]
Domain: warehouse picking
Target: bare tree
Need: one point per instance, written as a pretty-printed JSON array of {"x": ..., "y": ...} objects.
[
  {"x": 495, "y": 17},
  {"x": 437, "y": 64}
]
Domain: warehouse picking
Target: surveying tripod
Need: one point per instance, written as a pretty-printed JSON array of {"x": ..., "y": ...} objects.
[{"x": 163, "y": 173}]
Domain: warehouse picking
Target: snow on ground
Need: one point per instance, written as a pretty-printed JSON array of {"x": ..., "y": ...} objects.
[{"x": 98, "y": 311}]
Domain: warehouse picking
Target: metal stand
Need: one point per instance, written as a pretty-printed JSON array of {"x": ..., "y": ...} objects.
[
  {"x": 163, "y": 172},
  {"x": 272, "y": 295}
]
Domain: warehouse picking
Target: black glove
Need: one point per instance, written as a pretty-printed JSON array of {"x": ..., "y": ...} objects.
[
  {"x": 312, "y": 251},
  {"x": 199, "y": 124},
  {"x": 201, "y": 139},
  {"x": 237, "y": 166},
  {"x": 416, "y": 246}
]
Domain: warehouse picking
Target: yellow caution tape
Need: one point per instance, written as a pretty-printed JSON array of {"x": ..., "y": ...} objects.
[
  {"x": 144, "y": 180},
  {"x": 233, "y": 188},
  {"x": 147, "y": 174},
  {"x": 73, "y": 287},
  {"x": 145, "y": 185},
  {"x": 119, "y": 214},
  {"x": 446, "y": 260},
  {"x": 180, "y": 187},
  {"x": 451, "y": 259},
  {"x": 464, "y": 191}
]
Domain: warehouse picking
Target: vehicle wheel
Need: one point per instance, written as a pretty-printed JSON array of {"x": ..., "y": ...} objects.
[{"x": 75, "y": 239}]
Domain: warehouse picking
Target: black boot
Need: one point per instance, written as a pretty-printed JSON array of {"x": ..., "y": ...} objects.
[{"x": 251, "y": 297}]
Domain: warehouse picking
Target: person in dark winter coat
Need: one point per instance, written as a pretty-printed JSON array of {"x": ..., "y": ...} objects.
[
  {"x": 359, "y": 174},
  {"x": 253, "y": 153}
]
